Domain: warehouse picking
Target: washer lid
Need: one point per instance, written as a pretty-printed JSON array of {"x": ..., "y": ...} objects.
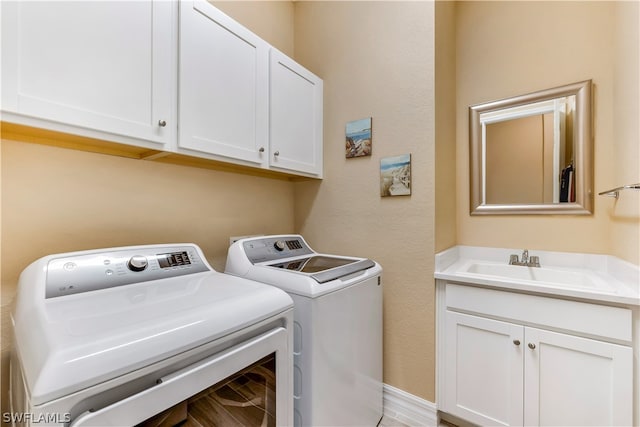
[
  {"x": 72, "y": 342},
  {"x": 323, "y": 268}
]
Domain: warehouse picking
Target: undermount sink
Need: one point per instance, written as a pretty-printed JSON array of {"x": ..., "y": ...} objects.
[
  {"x": 542, "y": 275},
  {"x": 595, "y": 277}
]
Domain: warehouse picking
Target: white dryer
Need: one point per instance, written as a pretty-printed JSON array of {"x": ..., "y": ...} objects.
[
  {"x": 338, "y": 326},
  {"x": 127, "y": 336}
]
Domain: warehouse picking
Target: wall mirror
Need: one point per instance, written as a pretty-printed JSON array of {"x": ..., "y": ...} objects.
[{"x": 533, "y": 153}]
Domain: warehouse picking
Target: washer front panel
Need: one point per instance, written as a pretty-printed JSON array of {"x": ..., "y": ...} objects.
[
  {"x": 82, "y": 273},
  {"x": 100, "y": 332},
  {"x": 275, "y": 248}
]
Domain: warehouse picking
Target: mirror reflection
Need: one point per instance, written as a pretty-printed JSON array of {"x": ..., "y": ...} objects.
[
  {"x": 529, "y": 151},
  {"x": 533, "y": 153}
]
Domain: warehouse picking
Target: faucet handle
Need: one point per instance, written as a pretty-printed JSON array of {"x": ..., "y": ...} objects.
[
  {"x": 513, "y": 259},
  {"x": 534, "y": 261}
]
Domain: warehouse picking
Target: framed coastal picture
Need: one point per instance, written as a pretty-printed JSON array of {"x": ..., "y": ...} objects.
[
  {"x": 395, "y": 176},
  {"x": 358, "y": 138}
]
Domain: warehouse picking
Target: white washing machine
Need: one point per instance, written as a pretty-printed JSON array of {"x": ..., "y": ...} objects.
[
  {"x": 338, "y": 326},
  {"x": 128, "y": 336}
]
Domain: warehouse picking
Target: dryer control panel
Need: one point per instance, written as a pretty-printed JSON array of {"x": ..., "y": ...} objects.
[
  {"x": 275, "y": 248},
  {"x": 99, "y": 270}
]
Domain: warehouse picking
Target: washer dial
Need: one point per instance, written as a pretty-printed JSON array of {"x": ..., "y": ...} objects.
[{"x": 137, "y": 263}]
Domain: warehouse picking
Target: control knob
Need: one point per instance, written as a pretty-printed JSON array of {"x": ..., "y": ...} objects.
[
  {"x": 137, "y": 263},
  {"x": 279, "y": 245}
]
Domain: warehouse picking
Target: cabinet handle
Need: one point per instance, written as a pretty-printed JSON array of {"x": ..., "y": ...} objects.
[
  {"x": 532, "y": 346},
  {"x": 516, "y": 342},
  {"x": 162, "y": 123},
  {"x": 261, "y": 149},
  {"x": 276, "y": 154}
]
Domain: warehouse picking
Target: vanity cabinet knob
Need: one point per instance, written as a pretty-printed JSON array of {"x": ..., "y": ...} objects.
[
  {"x": 261, "y": 149},
  {"x": 532, "y": 346},
  {"x": 516, "y": 342},
  {"x": 162, "y": 123},
  {"x": 276, "y": 154}
]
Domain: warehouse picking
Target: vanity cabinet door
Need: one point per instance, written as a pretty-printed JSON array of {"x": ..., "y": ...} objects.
[
  {"x": 223, "y": 86},
  {"x": 98, "y": 69},
  {"x": 484, "y": 370},
  {"x": 295, "y": 116},
  {"x": 576, "y": 381}
]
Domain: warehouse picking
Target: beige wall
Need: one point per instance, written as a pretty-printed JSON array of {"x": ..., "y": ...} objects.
[
  {"x": 445, "y": 78},
  {"x": 56, "y": 200},
  {"x": 624, "y": 213},
  {"x": 514, "y": 156},
  {"x": 377, "y": 60},
  {"x": 519, "y": 160},
  {"x": 271, "y": 20},
  {"x": 503, "y": 49}
]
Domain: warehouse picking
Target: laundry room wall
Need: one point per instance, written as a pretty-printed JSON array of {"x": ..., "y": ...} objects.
[
  {"x": 272, "y": 20},
  {"x": 55, "y": 200},
  {"x": 377, "y": 60},
  {"x": 58, "y": 200},
  {"x": 501, "y": 54},
  {"x": 624, "y": 213}
]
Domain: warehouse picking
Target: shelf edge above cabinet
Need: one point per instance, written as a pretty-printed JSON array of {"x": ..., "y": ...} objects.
[{"x": 10, "y": 131}]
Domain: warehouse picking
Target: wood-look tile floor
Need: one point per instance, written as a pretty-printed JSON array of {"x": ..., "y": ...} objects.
[
  {"x": 248, "y": 400},
  {"x": 390, "y": 422}
]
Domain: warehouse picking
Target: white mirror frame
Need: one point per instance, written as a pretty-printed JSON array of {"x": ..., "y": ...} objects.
[{"x": 583, "y": 153}]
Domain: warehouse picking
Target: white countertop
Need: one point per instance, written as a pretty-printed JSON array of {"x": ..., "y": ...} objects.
[{"x": 600, "y": 278}]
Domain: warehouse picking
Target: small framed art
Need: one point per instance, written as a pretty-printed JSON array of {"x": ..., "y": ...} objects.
[
  {"x": 395, "y": 176},
  {"x": 358, "y": 138}
]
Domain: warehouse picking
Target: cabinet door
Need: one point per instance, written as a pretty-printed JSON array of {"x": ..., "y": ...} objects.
[
  {"x": 484, "y": 370},
  {"x": 101, "y": 66},
  {"x": 572, "y": 381},
  {"x": 295, "y": 116},
  {"x": 223, "y": 89}
]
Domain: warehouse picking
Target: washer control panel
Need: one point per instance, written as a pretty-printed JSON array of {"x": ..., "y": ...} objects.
[
  {"x": 274, "y": 248},
  {"x": 99, "y": 270}
]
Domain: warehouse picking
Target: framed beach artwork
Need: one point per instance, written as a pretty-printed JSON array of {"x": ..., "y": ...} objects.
[
  {"x": 358, "y": 141},
  {"x": 395, "y": 176}
]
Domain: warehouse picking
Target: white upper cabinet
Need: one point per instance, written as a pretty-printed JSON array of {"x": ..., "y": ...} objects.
[
  {"x": 295, "y": 120},
  {"x": 223, "y": 92},
  {"x": 240, "y": 100},
  {"x": 175, "y": 76},
  {"x": 100, "y": 69}
]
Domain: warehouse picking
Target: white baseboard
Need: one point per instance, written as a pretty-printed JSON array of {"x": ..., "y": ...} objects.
[{"x": 408, "y": 409}]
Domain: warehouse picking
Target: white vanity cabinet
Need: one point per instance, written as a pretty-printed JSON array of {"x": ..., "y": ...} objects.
[
  {"x": 241, "y": 100},
  {"x": 507, "y": 358},
  {"x": 96, "y": 69}
]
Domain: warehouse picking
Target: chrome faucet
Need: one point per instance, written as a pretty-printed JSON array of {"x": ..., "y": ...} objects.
[{"x": 526, "y": 261}]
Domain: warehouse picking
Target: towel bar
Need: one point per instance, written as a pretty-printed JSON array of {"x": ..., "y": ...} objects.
[{"x": 616, "y": 191}]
